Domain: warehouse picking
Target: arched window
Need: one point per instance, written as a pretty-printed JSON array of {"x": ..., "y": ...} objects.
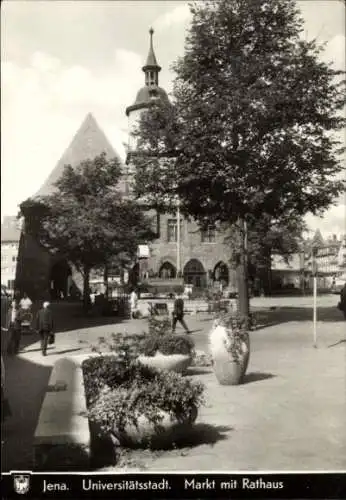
[
  {"x": 194, "y": 273},
  {"x": 167, "y": 271}
]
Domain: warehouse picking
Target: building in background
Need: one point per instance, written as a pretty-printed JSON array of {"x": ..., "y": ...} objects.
[
  {"x": 10, "y": 235},
  {"x": 181, "y": 249},
  {"x": 43, "y": 275},
  {"x": 201, "y": 258},
  {"x": 330, "y": 258}
]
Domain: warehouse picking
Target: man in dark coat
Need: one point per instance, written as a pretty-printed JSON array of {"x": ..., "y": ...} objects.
[
  {"x": 178, "y": 313},
  {"x": 44, "y": 326},
  {"x": 343, "y": 300}
]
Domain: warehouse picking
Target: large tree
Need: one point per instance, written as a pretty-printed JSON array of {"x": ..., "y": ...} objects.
[
  {"x": 250, "y": 129},
  {"x": 89, "y": 221}
]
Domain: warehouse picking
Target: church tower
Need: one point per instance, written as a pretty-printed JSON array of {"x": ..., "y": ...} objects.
[{"x": 146, "y": 96}]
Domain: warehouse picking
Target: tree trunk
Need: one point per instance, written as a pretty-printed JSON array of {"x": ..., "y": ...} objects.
[
  {"x": 86, "y": 289},
  {"x": 241, "y": 270}
]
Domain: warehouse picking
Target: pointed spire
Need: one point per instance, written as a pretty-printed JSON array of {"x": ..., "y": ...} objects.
[
  {"x": 317, "y": 240},
  {"x": 151, "y": 68}
]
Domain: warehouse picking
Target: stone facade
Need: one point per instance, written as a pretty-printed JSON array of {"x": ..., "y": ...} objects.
[{"x": 193, "y": 250}]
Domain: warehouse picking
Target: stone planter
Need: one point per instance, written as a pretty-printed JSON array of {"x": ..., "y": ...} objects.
[
  {"x": 228, "y": 369},
  {"x": 168, "y": 431},
  {"x": 173, "y": 362}
]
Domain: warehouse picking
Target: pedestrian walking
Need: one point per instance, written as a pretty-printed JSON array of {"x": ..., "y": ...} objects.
[
  {"x": 133, "y": 303},
  {"x": 44, "y": 326},
  {"x": 342, "y": 303},
  {"x": 178, "y": 313},
  {"x": 15, "y": 328}
]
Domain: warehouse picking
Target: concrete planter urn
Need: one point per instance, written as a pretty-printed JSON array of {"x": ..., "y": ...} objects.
[
  {"x": 166, "y": 432},
  {"x": 230, "y": 351},
  {"x": 177, "y": 363}
]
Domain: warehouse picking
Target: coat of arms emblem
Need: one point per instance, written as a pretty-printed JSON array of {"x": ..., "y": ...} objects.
[{"x": 21, "y": 483}]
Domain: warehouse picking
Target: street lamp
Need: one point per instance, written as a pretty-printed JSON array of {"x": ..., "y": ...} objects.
[
  {"x": 314, "y": 274},
  {"x": 178, "y": 239}
]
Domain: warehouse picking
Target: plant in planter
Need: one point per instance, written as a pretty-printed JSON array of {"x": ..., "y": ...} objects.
[
  {"x": 128, "y": 346},
  {"x": 140, "y": 405},
  {"x": 160, "y": 350},
  {"x": 229, "y": 344},
  {"x": 168, "y": 352}
]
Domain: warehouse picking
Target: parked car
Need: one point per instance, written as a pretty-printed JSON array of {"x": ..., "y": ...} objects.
[{"x": 338, "y": 284}]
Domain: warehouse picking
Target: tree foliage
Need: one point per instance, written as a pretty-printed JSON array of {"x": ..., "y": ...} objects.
[
  {"x": 250, "y": 131},
  {"x": 249, "y": 127},
  {"x": 88, "y": 220}
]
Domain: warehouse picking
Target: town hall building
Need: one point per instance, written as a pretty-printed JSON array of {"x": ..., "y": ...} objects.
[{"x": 200, "y": 257}]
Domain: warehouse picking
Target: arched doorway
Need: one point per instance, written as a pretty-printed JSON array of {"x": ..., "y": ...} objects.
[
  {"x": 194, "y": 273},
  {"x": 60, "y": 279},
  {"x": 221, "y": 273},
  {"x": 167, "y": 271}
]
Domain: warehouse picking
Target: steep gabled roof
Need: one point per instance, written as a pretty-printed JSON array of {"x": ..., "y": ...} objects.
[
  {"x": 89, "y": 141},
  {"x": 317, "y": 240}
]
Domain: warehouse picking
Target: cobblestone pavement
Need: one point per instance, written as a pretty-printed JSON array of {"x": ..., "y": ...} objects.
[{"x": 288, "y": 415}]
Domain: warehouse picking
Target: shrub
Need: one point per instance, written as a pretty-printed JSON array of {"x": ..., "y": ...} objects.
[
  {"x": 160, "y": 325},
  {"x": 234, "y": 321},
  {"x": 176, "y": 344},
  {"x": 109, "y": 371},
  {"x": 142, "y": 391},
  {"x": 129, "y": 347},
  {"x": 125, "y": 345}
]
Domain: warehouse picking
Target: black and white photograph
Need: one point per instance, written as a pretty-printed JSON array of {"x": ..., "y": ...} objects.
[{"x": 173, "y": 246}]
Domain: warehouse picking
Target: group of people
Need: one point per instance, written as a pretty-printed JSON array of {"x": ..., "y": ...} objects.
[
  {"x": 20, "y": 314},
  {"x": 177, "y": 314}
]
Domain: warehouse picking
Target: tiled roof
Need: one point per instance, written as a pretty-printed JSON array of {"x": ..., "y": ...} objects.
[{"x": 89, "y": 141}]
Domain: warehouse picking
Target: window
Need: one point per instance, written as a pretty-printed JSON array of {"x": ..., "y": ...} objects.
[
  {"x": 10, "y": 284},
  {"x": 208, "y": 235},
  {"x": 172, "y": 230},
  {"x": 14, "y": 258}
]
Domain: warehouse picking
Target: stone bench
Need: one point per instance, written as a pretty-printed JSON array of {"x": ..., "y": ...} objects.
[{"x": 62, "y": 436}]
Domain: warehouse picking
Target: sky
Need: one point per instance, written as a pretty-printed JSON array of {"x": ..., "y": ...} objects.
[{"x": 61, "y": 60}]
